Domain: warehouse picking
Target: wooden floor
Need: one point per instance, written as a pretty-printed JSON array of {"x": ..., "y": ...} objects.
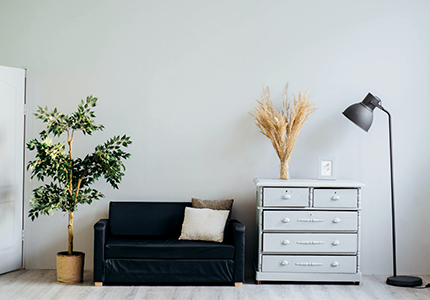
[{"x": 41, "y": 284}]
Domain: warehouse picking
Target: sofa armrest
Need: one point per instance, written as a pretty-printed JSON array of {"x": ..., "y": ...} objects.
[
  {"x": 239, "y": 250},
  {"x": 100, "y": 237}
]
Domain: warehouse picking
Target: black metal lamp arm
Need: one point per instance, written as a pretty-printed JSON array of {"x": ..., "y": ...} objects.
[{"x": 392, "y": 188}]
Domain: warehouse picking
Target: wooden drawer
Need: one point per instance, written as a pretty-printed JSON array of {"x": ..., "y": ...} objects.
[
  {"x": 309, "y": 264},
  {"x": 299, "y": 220},
  {"x": 335, "y": 197},
  {"x": 286, "y": 197},
  {"x": 309, "y": 243}
]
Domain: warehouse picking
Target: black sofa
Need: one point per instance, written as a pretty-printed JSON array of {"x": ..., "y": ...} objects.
[{"x": 139, "y": 244}]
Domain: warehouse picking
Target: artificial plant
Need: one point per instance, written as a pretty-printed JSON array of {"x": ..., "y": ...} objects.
[{"x": 70, "y": 178}]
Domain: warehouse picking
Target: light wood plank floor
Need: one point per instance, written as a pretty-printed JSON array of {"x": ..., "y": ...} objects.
[{"x": 41, "y": 284}]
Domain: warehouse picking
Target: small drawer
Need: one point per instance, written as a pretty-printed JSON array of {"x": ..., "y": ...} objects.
[
  {"x": 335, "y": 198},
  {"x": 298, "y": 220},
  {"x": 286, "y": 197},
  {"x": 309, "y": 243},
  {"x": 309, "y": 264}
]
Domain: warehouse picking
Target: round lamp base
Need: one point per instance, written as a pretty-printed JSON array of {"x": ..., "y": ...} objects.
[{"x": 404, "y": 281}]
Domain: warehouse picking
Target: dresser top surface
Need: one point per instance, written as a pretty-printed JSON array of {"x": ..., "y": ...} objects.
[{"x": 339, "y": 183}]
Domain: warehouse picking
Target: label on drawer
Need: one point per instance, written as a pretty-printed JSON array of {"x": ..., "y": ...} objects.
[
  {"x": 309, "y": 243},
  {"x": 335, "y": 198},
  {"x": 286, "y": 196},
  {"x": 298, "y": 220},
  {"x": 309, "y": 264}
]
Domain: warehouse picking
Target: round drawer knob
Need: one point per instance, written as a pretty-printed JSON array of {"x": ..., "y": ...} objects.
[
  {"x": 335, "y": 264},
  {"x": 284, "y": 263},
  {"x": 286, "y": 197},
  {"x": 336, "y": 220},
  {"x": 335, "y": 243},
  {"x": 286, "y": 220},
  {"x": 335, "y": 198},
  {"x": 285, "y": 242}
]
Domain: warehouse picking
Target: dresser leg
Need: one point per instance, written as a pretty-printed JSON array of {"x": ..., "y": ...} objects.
[
  {"x": 98, "y": 283},
  {"x": 259, "y": 282}
]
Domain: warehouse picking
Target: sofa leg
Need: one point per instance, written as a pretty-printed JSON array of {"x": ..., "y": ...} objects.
[
  {"x": 238, "y": 284},
  {"x": 98, "y": 283}
]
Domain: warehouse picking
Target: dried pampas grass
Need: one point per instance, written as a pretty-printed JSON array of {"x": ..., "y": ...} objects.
[{"x": 283, "y": 127}]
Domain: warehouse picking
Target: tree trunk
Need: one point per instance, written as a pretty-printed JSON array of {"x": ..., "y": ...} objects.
[{"x": 70, "y": 227}]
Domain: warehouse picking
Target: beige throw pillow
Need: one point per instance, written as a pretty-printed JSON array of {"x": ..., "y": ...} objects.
[
  {"x": 217, "y": 205},
  {"x": 204, "y": 224}
]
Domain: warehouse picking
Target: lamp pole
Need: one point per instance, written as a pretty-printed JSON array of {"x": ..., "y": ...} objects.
[{"x": 393, "y": 223}]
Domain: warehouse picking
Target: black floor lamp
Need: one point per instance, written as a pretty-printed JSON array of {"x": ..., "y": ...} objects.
[{"x": 361, "y": 114}]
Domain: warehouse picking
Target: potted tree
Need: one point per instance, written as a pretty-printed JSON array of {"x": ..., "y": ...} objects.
[{"x": 69, "y": 179}]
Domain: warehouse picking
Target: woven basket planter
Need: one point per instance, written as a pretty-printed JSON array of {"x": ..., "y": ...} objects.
[{"x": 70, "y": 268}]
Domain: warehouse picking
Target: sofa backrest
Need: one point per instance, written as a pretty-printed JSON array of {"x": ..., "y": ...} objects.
[{"x": 146, "y": 218}]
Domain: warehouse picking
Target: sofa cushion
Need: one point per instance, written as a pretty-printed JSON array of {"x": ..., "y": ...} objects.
[
  {"x": 146, "y": 218},
  {"x": 213, "y": 204},
  {"x": 204, "y": 224},
  {"x": 217, "y": 205},
  {"x": 165, "y": 248}
]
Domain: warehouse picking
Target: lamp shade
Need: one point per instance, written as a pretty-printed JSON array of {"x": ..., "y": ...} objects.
[{"x": 361, "y": 114}]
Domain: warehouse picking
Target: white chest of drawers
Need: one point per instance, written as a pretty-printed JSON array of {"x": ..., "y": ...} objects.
[{"x": 308, "y": 230}]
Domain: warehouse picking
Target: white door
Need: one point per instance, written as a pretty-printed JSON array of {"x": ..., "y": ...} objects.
[{"x": 12, "y": 101}]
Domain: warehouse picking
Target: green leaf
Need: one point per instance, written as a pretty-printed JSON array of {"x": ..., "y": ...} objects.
[{"x": 52, "y": 161}]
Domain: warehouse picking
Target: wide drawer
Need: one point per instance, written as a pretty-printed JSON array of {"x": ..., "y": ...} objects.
[
  {"x": 335, "y": 198},
  {"x": 309, "y": 264},
  {"x": 286, "y": 197},
  {"x": 309, "y": 220},
  {"x": 309, "y": 243}
]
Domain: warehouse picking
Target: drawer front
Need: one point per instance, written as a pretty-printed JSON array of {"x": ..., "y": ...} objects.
[
  {"x": 286, "y": 197},
  {"x": 309, "y": 243},
  {"x": 335, "y": 197},
  {"x": 310, "y": 220},
  {"x": 309, "y": 264}
]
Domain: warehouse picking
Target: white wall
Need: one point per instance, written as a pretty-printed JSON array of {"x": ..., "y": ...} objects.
[{"x": 181, "y": 76}]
